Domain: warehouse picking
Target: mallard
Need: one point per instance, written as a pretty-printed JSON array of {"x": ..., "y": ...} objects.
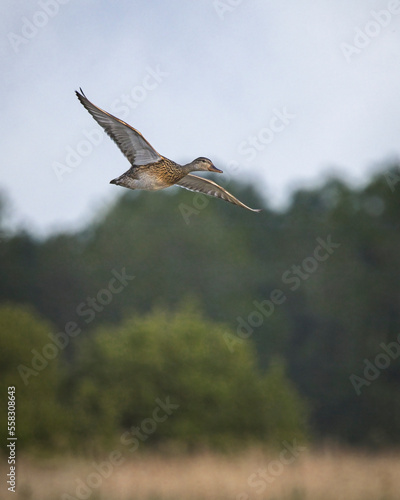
[{"x": 150, "y": 170}]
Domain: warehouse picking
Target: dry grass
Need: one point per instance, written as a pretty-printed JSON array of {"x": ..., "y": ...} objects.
[{"x": 312, "y": 476}]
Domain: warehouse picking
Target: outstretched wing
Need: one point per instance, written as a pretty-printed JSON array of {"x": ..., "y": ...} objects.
[
  {"x": 129, "y": 140},
  {"x": 195, "y": 183}
]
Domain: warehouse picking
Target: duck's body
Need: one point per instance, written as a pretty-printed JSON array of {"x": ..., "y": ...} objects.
[
  {"x": 149, "y": 170},
  {"x": 159, "y": 175}
]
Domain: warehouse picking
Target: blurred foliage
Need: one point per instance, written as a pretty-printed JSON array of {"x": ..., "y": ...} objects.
[
  {"x": 39, "y": 416},
  {"x": 207, "y": 396},
  {"x": 219, "y": 398},
  {"x": 332, "y": 318}
]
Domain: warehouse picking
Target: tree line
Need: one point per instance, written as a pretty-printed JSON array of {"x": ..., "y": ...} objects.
[{"x": 308, "y": 295}]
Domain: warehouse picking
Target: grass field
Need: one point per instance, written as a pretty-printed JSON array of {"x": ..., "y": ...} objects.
[{"x": 327, "y": 475}]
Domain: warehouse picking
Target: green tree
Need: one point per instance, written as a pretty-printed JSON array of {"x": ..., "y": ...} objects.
[
  {"x": 222, "y": 399},
  {"x": 39, "y": 421},
  {"x": 232, "y": 260}
]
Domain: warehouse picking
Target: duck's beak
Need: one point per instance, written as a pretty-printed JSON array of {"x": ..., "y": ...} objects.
[{"x": 212, "y": 168}]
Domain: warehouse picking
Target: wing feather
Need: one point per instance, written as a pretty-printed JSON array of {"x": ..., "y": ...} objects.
[
  {"x": 205, "y": 186},
  {"x": 129, "y": 140}
]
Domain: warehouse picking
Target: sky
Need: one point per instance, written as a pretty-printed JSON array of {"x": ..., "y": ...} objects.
[{"x": 278, "y": 94}]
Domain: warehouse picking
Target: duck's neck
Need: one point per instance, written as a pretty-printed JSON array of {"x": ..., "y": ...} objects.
[{"x": 189, "y": 167}]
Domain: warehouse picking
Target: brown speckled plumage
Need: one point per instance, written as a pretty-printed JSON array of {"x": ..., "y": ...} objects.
[
  {"x": 163, "y": 170},
  {"x": 150, "y": 170},
  {"x": 163, "y": 173}
]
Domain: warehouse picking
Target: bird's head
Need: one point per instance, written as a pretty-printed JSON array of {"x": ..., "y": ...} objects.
[{"x": 205, "y": 164}]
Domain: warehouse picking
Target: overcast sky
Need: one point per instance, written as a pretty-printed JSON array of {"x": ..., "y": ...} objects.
[{"x": 282, "y": 93}]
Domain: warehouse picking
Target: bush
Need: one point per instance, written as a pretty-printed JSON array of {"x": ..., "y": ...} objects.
[
  {"x": 39, "y": 417},
  {"x": 218, "y": 398}
]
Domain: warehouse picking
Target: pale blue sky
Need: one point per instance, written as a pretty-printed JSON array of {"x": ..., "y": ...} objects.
[{"x": 265, "y": 86}]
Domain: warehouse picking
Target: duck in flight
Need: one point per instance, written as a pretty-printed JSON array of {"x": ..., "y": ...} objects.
[{"x": 150, "y": 170}]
